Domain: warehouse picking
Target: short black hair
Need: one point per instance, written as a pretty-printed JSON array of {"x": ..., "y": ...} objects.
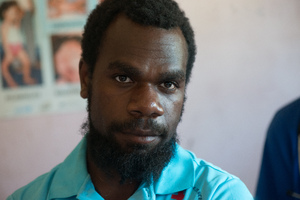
[
  {"x": 4, "y": 6},
  {"x": 164, "y": 14}
]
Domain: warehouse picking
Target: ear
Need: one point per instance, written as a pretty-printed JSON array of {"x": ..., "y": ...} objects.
[{"x": 84, "y": 78}]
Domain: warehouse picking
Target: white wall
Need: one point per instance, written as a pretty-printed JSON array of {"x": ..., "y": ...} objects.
[{"x": 248, "y": 65}]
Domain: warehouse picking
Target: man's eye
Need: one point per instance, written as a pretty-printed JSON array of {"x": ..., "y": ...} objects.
[
  {"x": 123, "y": 79},
  {"x": 169, "y": 85}
]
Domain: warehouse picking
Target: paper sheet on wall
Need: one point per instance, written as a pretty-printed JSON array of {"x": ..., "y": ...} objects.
[{"x": 39, "y": 55}]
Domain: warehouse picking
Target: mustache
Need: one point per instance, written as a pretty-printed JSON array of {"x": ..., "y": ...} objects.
[{"x": 139, "y": 124}]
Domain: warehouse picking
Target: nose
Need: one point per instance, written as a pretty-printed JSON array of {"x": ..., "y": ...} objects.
[{"x": 144, "y": 102}]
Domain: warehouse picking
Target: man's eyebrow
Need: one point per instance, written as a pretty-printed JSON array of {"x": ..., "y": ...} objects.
[
  {"x": 178, "y": 75},
  {"x": 124, "y": 67}
]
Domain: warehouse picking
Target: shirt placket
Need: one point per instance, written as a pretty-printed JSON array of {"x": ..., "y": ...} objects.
[{"x": 144, "y": 193}]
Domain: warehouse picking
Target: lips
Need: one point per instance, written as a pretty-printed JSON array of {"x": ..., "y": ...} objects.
[
  {"x": 141, "y": 133},
  {"x": 140, "y": 136}
]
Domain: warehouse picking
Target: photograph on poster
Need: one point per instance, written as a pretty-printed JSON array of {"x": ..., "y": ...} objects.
[
  {"x": 19, "y": 54},
  {"x": 61, "y": 9},
  {"x": 40, "y": 55},
  {"x": 66, "y": 55}
]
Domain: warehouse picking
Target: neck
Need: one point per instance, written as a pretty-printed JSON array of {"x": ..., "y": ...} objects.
[{"x": 108, "y": 185}]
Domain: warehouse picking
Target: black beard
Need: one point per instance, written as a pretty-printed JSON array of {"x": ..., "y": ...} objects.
[{"x": 135, "y": 163}]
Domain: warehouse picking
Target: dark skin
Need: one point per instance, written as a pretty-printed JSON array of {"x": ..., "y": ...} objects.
[{"x": 139, "y": 74}]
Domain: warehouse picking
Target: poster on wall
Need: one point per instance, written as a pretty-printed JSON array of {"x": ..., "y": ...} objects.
[
  {"x": 66, "y": 51},
  {"x": 39, "y": 55}
]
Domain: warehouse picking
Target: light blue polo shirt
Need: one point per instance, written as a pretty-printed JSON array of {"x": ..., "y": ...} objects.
[{"x": 185, "y": 177}]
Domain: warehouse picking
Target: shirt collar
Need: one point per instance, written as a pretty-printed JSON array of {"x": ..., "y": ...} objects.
[
  {"x": 178, "y": 174},
  {"x": 71, "y": 174}
]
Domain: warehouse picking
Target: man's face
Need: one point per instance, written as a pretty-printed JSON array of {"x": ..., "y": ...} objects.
[{"x": 136, "y": 92}]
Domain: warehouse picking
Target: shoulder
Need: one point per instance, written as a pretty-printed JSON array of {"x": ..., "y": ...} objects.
[
  {"x": 199, "y": 179},
  {"x": 37, "y": 189},
  {"x": 286, "y": 120},
  {"x": 289, "y": 111},
  {"x": 62, "y": 181},
  {"x": 214, "y": 183},
  {"x": 4, "y": 26}
]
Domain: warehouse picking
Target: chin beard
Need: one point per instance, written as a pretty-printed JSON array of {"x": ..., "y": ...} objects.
[{"x": 138, "y": 162}]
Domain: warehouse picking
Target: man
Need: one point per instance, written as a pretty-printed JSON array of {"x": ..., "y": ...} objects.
[
  {"x": 136, "y": 61},
  {"x": 279, "y": 175}
]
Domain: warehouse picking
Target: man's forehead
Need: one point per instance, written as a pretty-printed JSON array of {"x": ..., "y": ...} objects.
[
  {"x": 128, "y": 41},
  {"x": 124, "y": 31}
]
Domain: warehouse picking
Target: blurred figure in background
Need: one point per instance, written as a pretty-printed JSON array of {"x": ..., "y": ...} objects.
[
  {"x": 12, "y": 42},
  {"x": 279, "y": 176}
]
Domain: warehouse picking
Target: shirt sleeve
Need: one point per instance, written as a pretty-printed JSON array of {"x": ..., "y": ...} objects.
[
  {"x": 233, "y": 189},
  {"x": 9, "y": 198}
]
